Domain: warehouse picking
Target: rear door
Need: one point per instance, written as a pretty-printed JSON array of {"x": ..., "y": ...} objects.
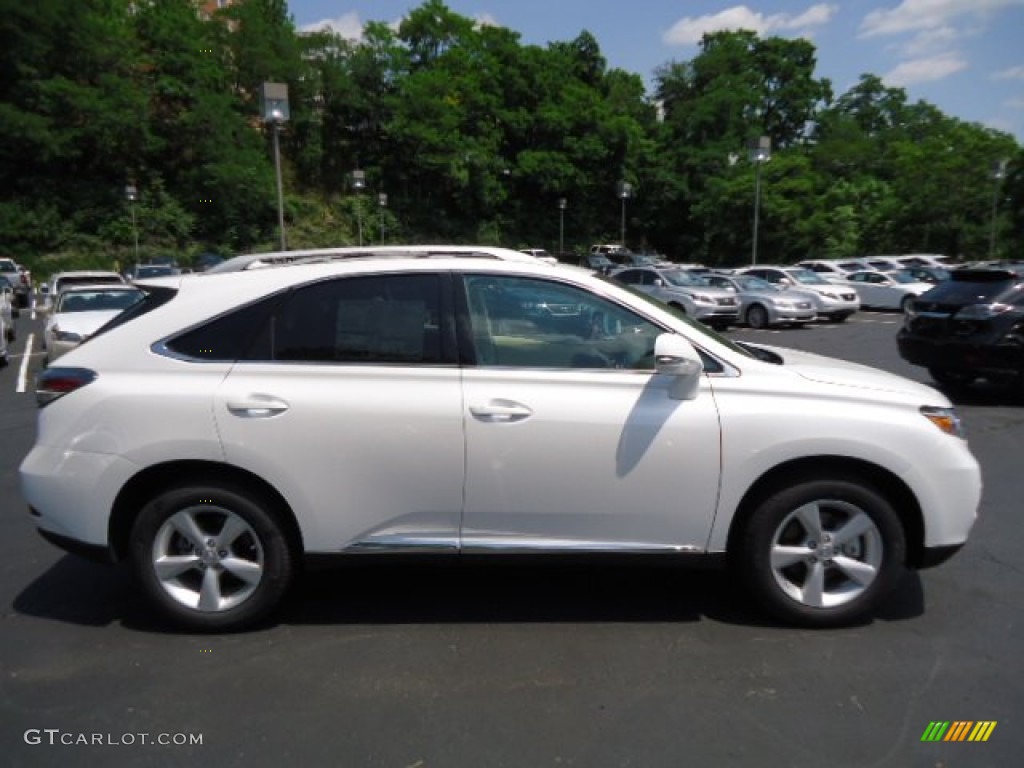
[{"x": 350, "y": 403}]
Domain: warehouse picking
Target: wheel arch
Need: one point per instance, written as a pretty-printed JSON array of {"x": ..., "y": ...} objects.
[
  {"x": 150, "y": 481},
  {"x": 896, "y": 492}
]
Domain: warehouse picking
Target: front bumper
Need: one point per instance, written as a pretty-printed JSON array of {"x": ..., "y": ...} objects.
[{"x": 961, "y": 355}]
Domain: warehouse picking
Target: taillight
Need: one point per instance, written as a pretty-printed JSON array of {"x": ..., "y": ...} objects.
[{"x": 53, "y": 383}]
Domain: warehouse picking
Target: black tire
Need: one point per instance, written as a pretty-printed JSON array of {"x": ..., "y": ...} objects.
[
  {"x": 757, "y": 316},
  {"x": 243, "y": 572},
  {"x": 952, "y": 379},
  {"x": 837, "y": 318},
  {"x": 678, "y": 306},
  {"x": 851, "y": 574}
]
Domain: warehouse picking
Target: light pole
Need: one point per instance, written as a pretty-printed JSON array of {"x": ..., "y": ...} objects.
[
  {"x": 998, "y": 174},
  {"x": 275, "y": 111},
  {"x": 382, "y": 203},
  {"x": 359, "y": 184},
  {"x": 625, "y": 191},
  {"x": 760, "y": 153},
  {"x": 131, "y": 193},
  {"x": 562, "y": 205}
]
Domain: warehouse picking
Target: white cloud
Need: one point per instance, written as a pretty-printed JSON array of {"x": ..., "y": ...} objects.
[
  {"x": 486, "y": 20},
  {"x": 1013, "y": 73},
  {"x": 921, "y": 15},
  {"x": 348, "y": 26},
  {"x": 690, "y": 30},
  {"x": 928, "y": 42},
  {"x": 925, "y": 70}
]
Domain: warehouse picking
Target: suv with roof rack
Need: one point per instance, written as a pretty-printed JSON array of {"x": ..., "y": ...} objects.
[
  {"x": 969, "y": 327},
  {"x": 228, "y": 426}
]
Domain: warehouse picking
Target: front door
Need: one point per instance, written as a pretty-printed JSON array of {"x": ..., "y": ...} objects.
[{"x": 572, "y": 441}]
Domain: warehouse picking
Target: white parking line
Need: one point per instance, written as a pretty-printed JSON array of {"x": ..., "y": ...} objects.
[{"x": 23, "y": 370}]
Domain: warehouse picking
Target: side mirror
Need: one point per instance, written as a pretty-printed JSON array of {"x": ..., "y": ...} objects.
[
  {"x": 675, "y": 356},
  {"x": 659, "y": 283},
  {"x": 785, "y": 281}
]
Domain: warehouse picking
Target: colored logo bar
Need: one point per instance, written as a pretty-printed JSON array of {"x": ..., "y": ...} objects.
[{"x": 959, "y": 730}]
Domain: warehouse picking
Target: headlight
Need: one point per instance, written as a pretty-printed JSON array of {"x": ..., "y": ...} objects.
[
  {"x": 945, "y": 419},
  {"x": 782, "y": 304},
  {"x": 829, "y": 295},
  {"x": 982, "y": 311},
  {"x": 703, "y": 299}
]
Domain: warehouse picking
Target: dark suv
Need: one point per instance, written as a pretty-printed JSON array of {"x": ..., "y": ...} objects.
[{"x": 969, "y": 327}]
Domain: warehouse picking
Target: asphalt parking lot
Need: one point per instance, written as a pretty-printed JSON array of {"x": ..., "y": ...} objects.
[{"x": 473, "y": 665}]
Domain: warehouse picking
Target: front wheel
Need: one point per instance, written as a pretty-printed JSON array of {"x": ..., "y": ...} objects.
[
  {"x": 211, "y": 557},
  {"x": 757, "y": 316},
  {"x": 821, "y": 553}
]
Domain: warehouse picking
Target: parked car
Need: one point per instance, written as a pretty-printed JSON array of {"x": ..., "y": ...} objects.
[
  {"x": 79, "y": 311},
  {"x": 834, "y": 270},
  {"x": 926, "y": 260},
  {"x": 597, "y": 262},
  {"x": 833, "y": 302},
  {"x": 7, "y": 330},
  {"x": 146, "y": 271},
  {"x": 763, "y": 305},
  {"x": 887, "y": 290},
  {"x": 230, "y": 425},
  {"x": 8, "y": 309},
  {"x": 20, "y": 280},
  {"x": 926, "y": 274},
  {"x": 688, "y": 293},
  {"x": 969, "y": 327},
  {"x": 62, "y": 280}
]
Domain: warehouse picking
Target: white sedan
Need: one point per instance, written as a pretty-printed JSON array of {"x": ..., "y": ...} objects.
[
  {"x": 78, "y": 312},
  {"x": 886, "y": 290}
]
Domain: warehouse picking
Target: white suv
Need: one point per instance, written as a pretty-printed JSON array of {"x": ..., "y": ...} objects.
[{"x": 231, "y": 425}]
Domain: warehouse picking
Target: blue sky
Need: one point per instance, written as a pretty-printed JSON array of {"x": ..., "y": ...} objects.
[{"x": 964, "y": 56}]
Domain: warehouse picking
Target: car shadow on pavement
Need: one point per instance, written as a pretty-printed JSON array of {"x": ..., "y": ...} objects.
[
  {"x": 80, "y": 592},
  {"x": 984, "y": 394}
]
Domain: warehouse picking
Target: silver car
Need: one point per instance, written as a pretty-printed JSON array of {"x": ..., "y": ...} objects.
[
  {"x": 763, "y": 305},
  {"x": 79, "y": 311},
  {"x": 685, "y": 291},
  {"x": 834, "y": 302}
]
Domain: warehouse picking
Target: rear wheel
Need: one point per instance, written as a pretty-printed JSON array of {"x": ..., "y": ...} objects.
[
  {"x": 211, "y": 557},
  {"x": 821, "y": 553},
  {"x": 757, "y": 316}
]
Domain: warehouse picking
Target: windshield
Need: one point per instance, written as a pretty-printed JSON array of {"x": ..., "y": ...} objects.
[
  {"x": 807, "y": 277},
  {"x": 751, "y": 283},
  {"x": 902, "y": 277},
  {"x": 96, "y": 301},
  {"x": 679, "y": 277}
]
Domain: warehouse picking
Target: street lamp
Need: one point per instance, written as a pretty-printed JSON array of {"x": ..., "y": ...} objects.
[
  {"x": 382, "y": 203},
  {"x": 275, "y": 111},
  {"x": 760, "y": 153},
  {"x": 359, "y": 184},
  {"x": 562, "y": 205},
  {"x": 131, "y": 193},
  {"x": 998, "y": 174},
  {"x": 625, "y": 191}
]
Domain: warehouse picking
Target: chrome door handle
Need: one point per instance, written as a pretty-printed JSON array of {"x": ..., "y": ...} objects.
[
  {"x": 500, "y": 411},
  {"x": 257, "y": 407}
]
